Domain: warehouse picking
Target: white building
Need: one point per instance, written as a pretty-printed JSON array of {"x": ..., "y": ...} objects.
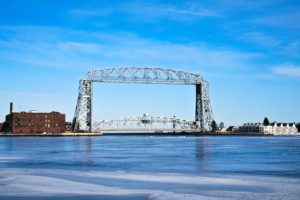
[
  {"x": 273, "y": 128},
  {"x": 280, "y": 129}
]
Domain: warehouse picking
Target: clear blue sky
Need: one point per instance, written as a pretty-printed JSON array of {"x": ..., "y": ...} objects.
[{"x": 249, "y": 51}]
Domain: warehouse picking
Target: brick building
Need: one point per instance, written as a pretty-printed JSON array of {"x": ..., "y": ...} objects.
[{"x": 35, "y": 122}]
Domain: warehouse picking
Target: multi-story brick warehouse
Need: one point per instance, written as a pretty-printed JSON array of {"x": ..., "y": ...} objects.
[{"x": 35, "y": 122}]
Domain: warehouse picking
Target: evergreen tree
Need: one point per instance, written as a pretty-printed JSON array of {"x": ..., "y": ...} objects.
[
  {"x": 214, "y": 126},
  {"x": 266, "y": 121}
]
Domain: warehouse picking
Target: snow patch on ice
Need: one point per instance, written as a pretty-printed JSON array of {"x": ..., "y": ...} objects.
[{"x": 215, "y": 186}]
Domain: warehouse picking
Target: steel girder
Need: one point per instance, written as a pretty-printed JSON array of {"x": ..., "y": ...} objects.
[
  {"x": 82, "y": 120},
  {"x": 146, "y": 123},
  {"x": 144, "y": 75}
]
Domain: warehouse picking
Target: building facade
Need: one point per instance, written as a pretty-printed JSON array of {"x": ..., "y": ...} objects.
[
  {"x": 35, "y": 122},
  {"x": 280, "y": 128},
  {"x": 273, "y": 128},
  {"x": 28, "y": 123},
  {"x": 250, "y": 128}
]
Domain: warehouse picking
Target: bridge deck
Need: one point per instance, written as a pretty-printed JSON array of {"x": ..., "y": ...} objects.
[{"x": 151, "y": 131}]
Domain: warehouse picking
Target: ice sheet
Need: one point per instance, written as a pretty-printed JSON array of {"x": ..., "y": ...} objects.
[{"x": 121, "y": 185}]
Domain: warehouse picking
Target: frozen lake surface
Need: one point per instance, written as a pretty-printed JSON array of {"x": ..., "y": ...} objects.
[{"x": 148, "y": 167}]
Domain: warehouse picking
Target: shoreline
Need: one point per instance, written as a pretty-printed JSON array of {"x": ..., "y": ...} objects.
[
  {"x": 195, "y": 134},
  {"x": 49, "y": 134}
]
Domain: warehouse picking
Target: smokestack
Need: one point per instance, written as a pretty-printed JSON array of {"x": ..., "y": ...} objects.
[{"x": 11, "y": 107}]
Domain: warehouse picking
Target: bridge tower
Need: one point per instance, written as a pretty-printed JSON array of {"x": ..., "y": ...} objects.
[
  {"x": 82, "y": 120},
  {"x": 203, "y": 111},
  {"x": 199, "y": 106}
]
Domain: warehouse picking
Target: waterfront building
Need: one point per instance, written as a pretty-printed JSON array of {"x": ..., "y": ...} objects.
[
  {"x": 250, "y": 128},
  {"x": 280, "y": 128},
  {"x": 274, "y": 128},
  {"x": 33, "y": 122}
]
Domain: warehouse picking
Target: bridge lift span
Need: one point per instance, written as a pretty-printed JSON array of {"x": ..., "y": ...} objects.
[{"x": 82, "y": 120}]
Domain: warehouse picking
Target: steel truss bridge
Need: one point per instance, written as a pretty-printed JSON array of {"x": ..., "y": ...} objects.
[
  {"x": 82, "y": 121},
  {"x": 146, "y": 123}
]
